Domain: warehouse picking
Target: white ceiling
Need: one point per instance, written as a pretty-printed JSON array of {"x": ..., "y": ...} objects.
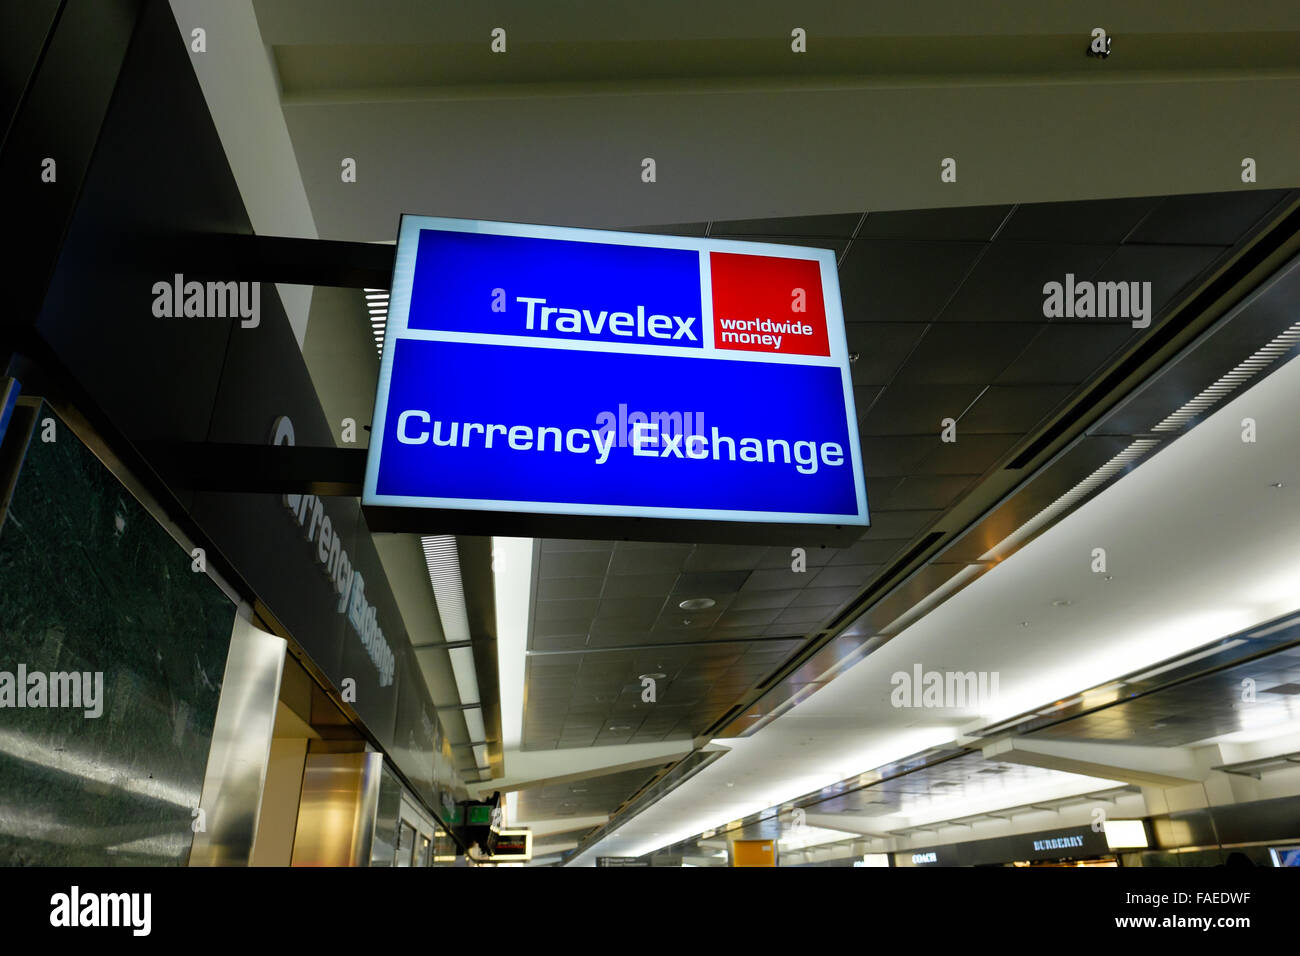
[{"x": 1198, "y": 544}]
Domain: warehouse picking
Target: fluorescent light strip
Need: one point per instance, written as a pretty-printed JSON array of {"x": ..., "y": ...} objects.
[
  {"x": 1229, "y": 382},
  {"x": 474, "y": 724},
  {"x": 512, "y": 562},
  {"x": 443, "y": 561},
  {"x": 377, "y": 303}
]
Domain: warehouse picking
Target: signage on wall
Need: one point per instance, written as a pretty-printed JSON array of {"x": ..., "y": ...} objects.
[
  {"x": 572, "y": 375},
  {"x": 326, "y": 545}
]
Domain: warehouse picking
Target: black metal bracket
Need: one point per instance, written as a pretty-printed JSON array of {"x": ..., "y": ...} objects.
[
  {"x": 271, "y": 469},
  {"x": 326, "y": 262}
]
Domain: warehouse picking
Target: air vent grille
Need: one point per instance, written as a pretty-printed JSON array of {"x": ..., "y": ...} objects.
[{"x": 1229, "y": 383}]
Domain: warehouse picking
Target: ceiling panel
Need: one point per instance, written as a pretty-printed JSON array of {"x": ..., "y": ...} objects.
[
  {"x": 1197, "y": 709},
  {"x": 944, "y": 317},
  {"x": 881, "y": 348},
  {"x": 1064, "y": 353},
  {"x": 1007, "y": 284},
  {"x": 840, "y": 226},
  {"x": 1209, "y": 218},
  {"x": 1105, "y": 221},
  {"x": 972, "y": 353},
  {"x": 977, "y": 223},
  {"x": 1167, "y": 268},
  {"x": 884, "y": 280}
]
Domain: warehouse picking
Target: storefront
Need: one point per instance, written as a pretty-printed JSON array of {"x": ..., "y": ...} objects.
[
  {"x": 1075, "y": 846},
  {"x": 204, "y": 630}
]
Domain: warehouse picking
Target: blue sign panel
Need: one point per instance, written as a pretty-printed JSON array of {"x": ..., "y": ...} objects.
[{"x": 574, "y": 372}]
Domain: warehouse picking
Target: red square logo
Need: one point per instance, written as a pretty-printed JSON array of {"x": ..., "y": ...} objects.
[{"x": 768, "y": 304}]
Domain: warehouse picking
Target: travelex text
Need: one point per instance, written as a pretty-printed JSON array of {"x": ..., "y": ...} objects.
[{"x": 505, "y": 352}]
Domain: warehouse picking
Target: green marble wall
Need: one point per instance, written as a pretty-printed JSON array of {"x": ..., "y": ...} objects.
[{"x": 89, "y": 582}]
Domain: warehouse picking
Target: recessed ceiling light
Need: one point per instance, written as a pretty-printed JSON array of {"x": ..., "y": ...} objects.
[
  {"x": 654, "y": 676},
  {"x": 1278, "y": 484},
  {"x": 619, "y": 727},
  {"x": 697, "y": 604},
  {"x": 1062, "y": 602}
]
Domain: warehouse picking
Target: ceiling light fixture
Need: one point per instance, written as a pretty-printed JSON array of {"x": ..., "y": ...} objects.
[
  {"x": 697, "y": 604},
  {"x": 443, "y": 561}
]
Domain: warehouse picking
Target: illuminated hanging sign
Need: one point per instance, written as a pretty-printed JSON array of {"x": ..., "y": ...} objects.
[{"x": 543, "y": 371}]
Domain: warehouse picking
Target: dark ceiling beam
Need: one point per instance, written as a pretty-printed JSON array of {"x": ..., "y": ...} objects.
[
  {"x": 273, "y": 469},
  {"x": 323, "y": 262}
]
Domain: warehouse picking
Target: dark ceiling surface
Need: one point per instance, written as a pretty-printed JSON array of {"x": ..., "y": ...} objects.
[
  {"x": 1198, "y": 709},
  {"x": 944, "y": 309},
  {"x": 597, "y": 795}
]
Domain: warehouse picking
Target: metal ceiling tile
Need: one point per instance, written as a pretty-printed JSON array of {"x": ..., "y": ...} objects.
[
  {"x": 551, "y": 545},
  {"x": 573, "y": 564},
  {"x": 1094, "y": 220},
  {"x": 674, "y": 620},
  {"x": 566, "y": 610},
  {"x": 880, "y": 489},
  {"x": 1067, "y": 353},
  {"x": 549, "y": 589},
  {"x": 900, "y": 524},
  {"x": 1210, "y": 218},
  {"x": 851, "y": 575},
  {"x": 648, "y": 560},
  {"x": 562, "y": 628},
  {"x": 618, "y": 636},
  {"x": 870, "y": 551},
  {"x": 747, "y": 600},
  {"x": 917, "y": 409},
  {"x": 1007, "y": 285},
  {"x": 709, "y": 583},
  {"x": 957, "y": 222},
  {"x": 776, "y": 579},
  {"x": 611, "y": 607},
  {"x": 724, "y": 632},
  {"x": 738, "y": 618},
  {"x": 1019, "y": 408},
  {"x": 840, "y": 225},
  {"x": 820, "y": 597},
  {"x": 925, "y": 491},
  {"x": 967, "y": 353},
  {"x": 864, "y": 397},
  {"x": 881, "y": 348},
  {"x": 884, "y": 280},
  {"x": 638, "y": 585},
  {"x": 895, "y": 455},
  {"x": 724, "y": 557},
  {"x": 971, "y": 454},
  {"x": 1169, "y": 269}
]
